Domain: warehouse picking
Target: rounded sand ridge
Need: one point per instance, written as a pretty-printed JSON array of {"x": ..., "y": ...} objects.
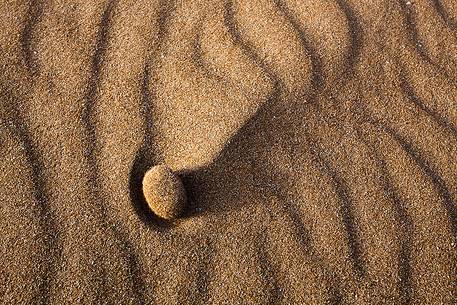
[{"x": 164, "y": 192}]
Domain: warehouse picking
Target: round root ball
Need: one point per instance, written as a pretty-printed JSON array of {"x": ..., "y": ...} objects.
[{"x": 164, "y": 192}]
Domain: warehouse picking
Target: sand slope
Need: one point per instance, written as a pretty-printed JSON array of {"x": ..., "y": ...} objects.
[{"x": 319, "y": 138}]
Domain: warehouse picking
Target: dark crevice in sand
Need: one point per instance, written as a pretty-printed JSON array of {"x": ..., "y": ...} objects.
[
  {"x": 124, "y": 245},
  {"x": 413, "y": 32},
  {"x": 51, "y": 240},
  {"x": 132, "y": 259},
  {"x": 91, "y": 138},
  {"x": 408, "y": 90},
  {"x": 405, "y": 225},
  {"x": 167, "y": 8},
  {"x": 93, "y": 87},
  {"x": 336, "y": 298},
  {"x": 34, "y": 14},
  {"x": 448, "y": 204},
  {"x": 346, "y": 211},
  {"x": 197, "y": 56},
  {"x": 203, "y": 276},
  {"x": 417, "y": 43},
  {"x": 144, "y": 157},
  {"x": 236, "y": 34},
  {"x": 449, "y": 20},
  {"x": 347, "y": 215},
  {"x": 202, "y": 285},
  {"x": 268, "y": 272},
  {"x": 318, "y": 80},
  {"x": 332, "y": 280},
  {"x": 356, "y": 40},
  {"x": 266, "y": 108},
  {"x": 439, "y": 183}
]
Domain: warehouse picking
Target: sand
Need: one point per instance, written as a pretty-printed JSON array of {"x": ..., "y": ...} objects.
[{"x": 316, "y": 141}]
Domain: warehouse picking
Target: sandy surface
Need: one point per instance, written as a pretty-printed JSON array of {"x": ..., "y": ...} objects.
[{"x": 317, "y": 141}]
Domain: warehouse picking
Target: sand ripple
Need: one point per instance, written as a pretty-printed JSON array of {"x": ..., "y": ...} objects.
[{"x": 317, "y": 141}]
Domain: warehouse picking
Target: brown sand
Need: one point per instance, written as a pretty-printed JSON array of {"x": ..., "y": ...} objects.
[{"x": 317, "y": 141}]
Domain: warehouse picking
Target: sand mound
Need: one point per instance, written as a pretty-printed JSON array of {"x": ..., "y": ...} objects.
[{"x": 316, "y": 140}]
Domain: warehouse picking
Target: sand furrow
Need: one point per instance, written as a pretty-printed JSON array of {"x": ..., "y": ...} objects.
[
  {"x": 122, "y": 243},
  {"x": 317, "y": 81},
  {"x": 200, "y": 280},
  {"x": 439, "y": 39},
  {"x": 447, "y": 201},
  {"x": 292, "y": 261},
  {"x": 402, "y": 217},
  {"x": 37, "y": 232},
  {"x": 444, "y": 9},
  {"x": 82, "y": 275},
  {"x": 269, "y": 272},
  {"x": 347, "y": 216},
  {"x": 355, "y": 32},
  {"x": 228, "y": 58},
  {"x": 290, "y": 64},
  {"x": 34, "y": 14},
  {"x": 418, "y": 43},
  {"x": 408, "y": 90},
  {"x": 413, "y": 122},
  {"x": 237, "y": 270},
  {"x": 426, "y": 212},
  {"x": 327, "y": 44}
]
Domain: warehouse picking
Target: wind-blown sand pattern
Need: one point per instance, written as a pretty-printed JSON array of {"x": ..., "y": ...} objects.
[{"x": 317, "y": 141}]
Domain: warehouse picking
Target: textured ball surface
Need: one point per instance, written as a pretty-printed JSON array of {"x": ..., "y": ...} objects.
[{"x": 164, "y": 192}]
